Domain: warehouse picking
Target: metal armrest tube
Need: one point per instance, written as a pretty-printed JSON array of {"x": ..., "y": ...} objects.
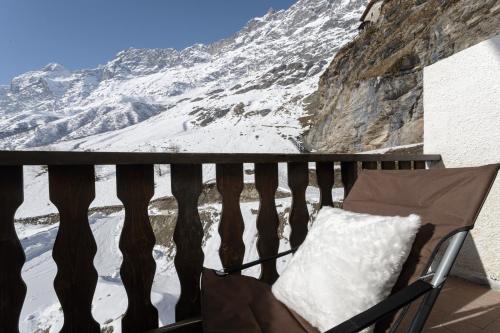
[
  {"x": 387, "y": 306},
  {"x": 235, "y": 269},
  {"x": 442, "y": 271},
  {"x": 180, "y": 326},
  {"x": 448, "y": 259}
]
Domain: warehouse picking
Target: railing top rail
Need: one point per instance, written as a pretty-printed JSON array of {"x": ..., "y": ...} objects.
[{"x": 115, "y": 158}]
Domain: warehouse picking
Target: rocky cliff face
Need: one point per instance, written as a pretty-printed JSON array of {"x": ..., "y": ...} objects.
[{"x": 371, "y": 94}]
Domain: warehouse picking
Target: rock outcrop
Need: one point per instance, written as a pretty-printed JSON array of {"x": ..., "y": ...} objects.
[{"x": 371, "y": 95}]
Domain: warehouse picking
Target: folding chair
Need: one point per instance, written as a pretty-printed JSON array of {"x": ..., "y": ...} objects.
[{"x": 448, "y": 202}]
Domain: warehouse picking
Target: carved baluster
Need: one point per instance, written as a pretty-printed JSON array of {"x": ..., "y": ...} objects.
[
  {"x": 326, "y": 178},
  {"x": 12, "y": 287},
  {"x": 298, "y": 179},
  {"x": 72, "y": 190},
  {"x": 369, "y": 165},
  {"x": 388, "y": 165},
  {"x": 419, "y": 164},
  {"x": 135, "y": 188},
  {"x": 404, "y": 165},
  {"x": 266, "y": 182},
  {"x": 349, "y": 173},
  {"x": 231, "y": 226},
  {"x": 188, "y": 236}
]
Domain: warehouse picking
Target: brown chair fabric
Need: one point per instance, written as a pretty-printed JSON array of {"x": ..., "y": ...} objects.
[
  {"x": 447, "y": 200},
  {"x": 237, "y": 303}
]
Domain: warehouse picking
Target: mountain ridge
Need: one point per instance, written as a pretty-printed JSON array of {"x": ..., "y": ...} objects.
[{"x": 272, "y": 63}]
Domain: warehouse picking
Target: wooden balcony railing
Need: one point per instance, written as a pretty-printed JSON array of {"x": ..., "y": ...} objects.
[{"x": 72, "y": 189}]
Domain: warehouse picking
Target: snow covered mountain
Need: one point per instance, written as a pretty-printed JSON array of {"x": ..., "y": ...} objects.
[{"x": 250, "y": 86}]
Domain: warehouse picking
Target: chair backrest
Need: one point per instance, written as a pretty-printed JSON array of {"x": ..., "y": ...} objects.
[{"x": 447, "y": 200}]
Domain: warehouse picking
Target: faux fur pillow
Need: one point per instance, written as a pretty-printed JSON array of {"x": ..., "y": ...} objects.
[{"x": 347, "y": 263}]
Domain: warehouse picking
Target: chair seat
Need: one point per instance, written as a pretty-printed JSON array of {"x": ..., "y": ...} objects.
[{"x": 237, "y": 303}]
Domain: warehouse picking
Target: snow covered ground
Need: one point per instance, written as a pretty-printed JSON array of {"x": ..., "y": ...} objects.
[
  {"x": 246, "y": 93},
  {"x": 252, "y": 86},
  {"x": 42, "y": 311}
]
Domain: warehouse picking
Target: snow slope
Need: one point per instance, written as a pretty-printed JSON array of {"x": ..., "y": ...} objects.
[
  {"x": 42, "y": 311},
  {"x": 245, "y": 93},
  {"x": 250, "y": 87}
]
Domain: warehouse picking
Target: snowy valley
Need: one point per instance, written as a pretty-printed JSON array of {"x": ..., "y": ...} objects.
[
  {"x": 251, "y": 86},
  {"x": 246, "y": 93}
]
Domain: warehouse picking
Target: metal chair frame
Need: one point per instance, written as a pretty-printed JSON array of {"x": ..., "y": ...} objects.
[{"x": 428, "y": 285}]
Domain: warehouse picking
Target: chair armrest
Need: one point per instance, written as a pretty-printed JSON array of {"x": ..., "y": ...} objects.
[
  {"x": 387, "y": 306},
  {"x": 231, "y": 270}
]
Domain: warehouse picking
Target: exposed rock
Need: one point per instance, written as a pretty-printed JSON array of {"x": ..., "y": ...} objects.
[
  {"x": 214, "y": 92},
  {"x": 262, "y": 113},
  {"x": 54, "y": 218},
  {"x": 208, "y": 116},
  {"x": 313, "y": 180},
  {"x": 197, "y": 99},
  {"x": 107, "y": 329},
  {"x": 239, "y": 109},
  {"x": 371, "y": 95},
  {"x": 44, "y": 330},
  {"x": 164, "y": 226}
]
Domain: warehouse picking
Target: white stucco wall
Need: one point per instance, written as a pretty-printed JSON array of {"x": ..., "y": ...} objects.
[{"x": 462, "y": 123}]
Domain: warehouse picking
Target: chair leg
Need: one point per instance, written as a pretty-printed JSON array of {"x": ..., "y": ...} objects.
[
  {"x": 424, "y": 310},
  {"x": 438, "y": 281}
]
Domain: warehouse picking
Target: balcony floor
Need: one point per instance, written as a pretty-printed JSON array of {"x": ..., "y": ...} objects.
[{"x": 466, "y": 308}]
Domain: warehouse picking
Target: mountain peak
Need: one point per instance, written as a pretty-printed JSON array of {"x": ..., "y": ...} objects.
[
  {"x": 255, "y": 79},
  {"x": 54, "y": 67}
]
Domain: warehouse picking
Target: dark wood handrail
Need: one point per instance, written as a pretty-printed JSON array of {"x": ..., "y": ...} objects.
[
  {"x": 113, "y": 158},
  {"x": 72, "y": 188}
]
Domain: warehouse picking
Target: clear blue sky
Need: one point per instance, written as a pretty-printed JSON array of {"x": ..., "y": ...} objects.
[{"x": 85, "y": 33}]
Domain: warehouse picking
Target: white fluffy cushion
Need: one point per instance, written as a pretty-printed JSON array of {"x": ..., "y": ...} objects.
[{"x": 347, "y": 263}]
